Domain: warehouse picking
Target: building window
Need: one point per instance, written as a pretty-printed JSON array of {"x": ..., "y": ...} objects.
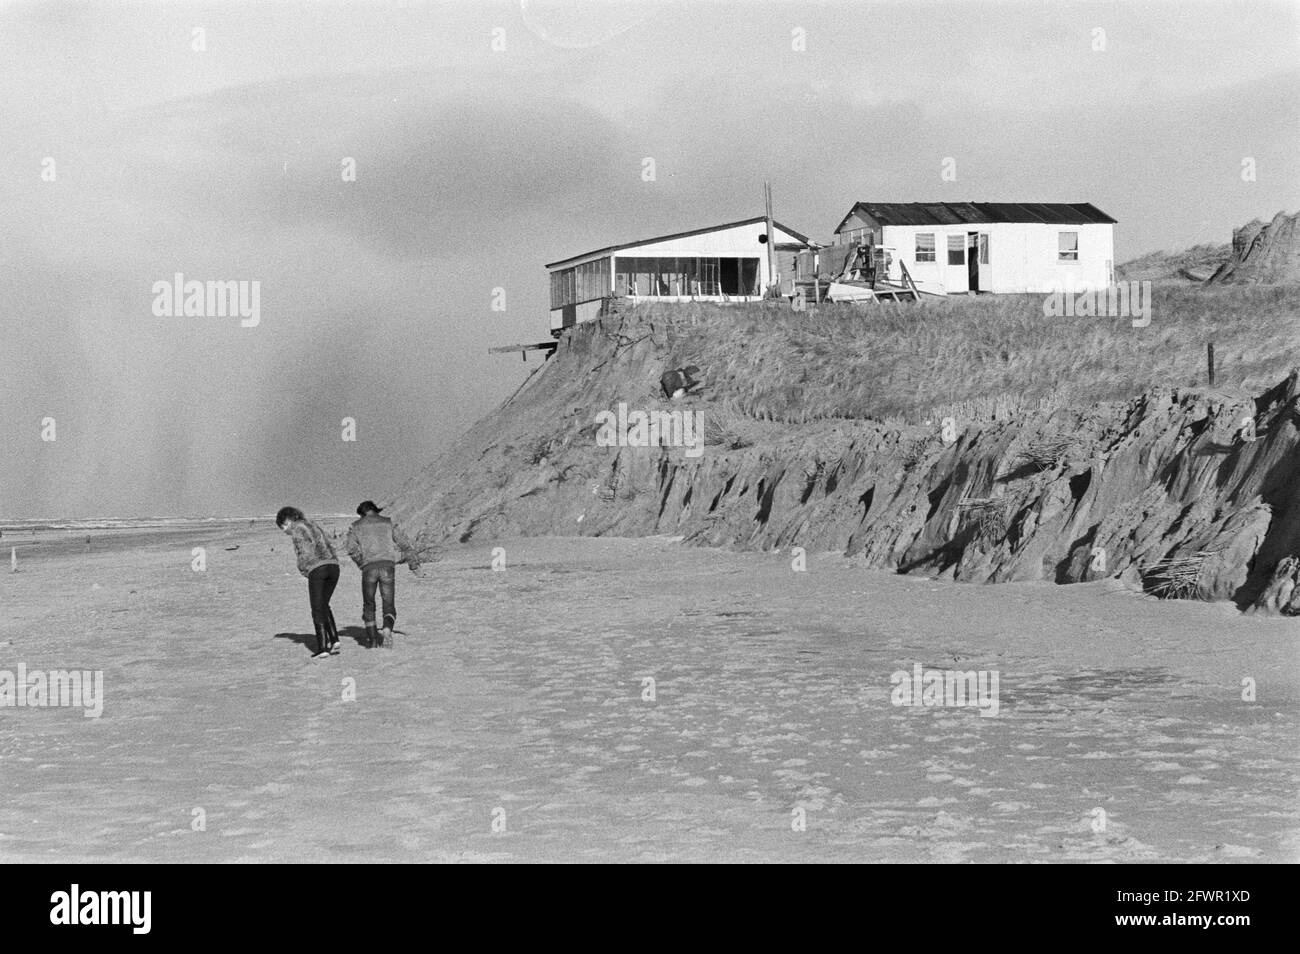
[
  {"x": 1068, "y": 246},
  {"x": 925, "y": 246},
  {"x": 662, "y": 276},
  {"x": 956, "y": 250},
  {"x": 586, "y": 282}
]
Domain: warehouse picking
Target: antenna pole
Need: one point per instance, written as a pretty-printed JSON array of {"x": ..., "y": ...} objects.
[{"x": 772, "y": 277}]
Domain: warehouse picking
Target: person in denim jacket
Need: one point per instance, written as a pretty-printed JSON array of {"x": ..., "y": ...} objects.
[{"x": 377, "y": 546}]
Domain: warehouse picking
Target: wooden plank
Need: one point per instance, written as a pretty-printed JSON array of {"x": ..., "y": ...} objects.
[
  {"x": 540, "y": 346},
  {"x": 907, "y": 278}
]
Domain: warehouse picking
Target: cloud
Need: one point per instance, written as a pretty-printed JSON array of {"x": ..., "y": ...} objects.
[
  {"x": 375, "y": 294},
  {"x": 474, "y": 169},
  {"x": 574, "y": 24}
]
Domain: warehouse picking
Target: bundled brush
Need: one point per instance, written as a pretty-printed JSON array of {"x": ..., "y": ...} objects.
[
  {"x": 989, "y": 515},
  {"x": 1176, "y": 578},
  {"x": 425, "y": 547},
  {"x": 820, "y": 466},
  {"x": 725, "y": 427},
  {"x": 539, "y": 451},
  {"x": 1046, "y": 452},
  {"x": 916, "y": 453},
  {"x": 609, "y": 490}
]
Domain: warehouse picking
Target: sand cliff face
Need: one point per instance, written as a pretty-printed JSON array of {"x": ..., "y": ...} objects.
[
  {"x": 1263, "y": 253},
  {"x": 1187, "y": 491}
]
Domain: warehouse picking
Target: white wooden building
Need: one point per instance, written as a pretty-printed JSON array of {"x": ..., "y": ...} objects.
[
  {"x": 956, "y": 247},
  {"x": 720, "y": 263}
]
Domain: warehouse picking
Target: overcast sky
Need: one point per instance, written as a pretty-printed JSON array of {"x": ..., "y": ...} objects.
[{"x": 475, "y": 165}]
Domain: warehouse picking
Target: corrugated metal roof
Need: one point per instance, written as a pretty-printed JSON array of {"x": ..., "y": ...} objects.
[
  {"x": 979, "y": 213},
  {"x": 677, "y": 235}
]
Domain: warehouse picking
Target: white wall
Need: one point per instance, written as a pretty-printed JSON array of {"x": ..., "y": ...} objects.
[
  {"x": 1023, "y": 257},
  {"x": 740, "y": 241},
  {"x": 587, "y": 311}
]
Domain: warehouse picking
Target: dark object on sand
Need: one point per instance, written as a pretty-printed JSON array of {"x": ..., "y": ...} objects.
[
  {"x": 235, "y": 547},
  {"x": 680, "y": 381}
]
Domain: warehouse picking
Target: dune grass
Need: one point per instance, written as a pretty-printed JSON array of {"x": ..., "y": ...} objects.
[{"x": 989, "y": 355}]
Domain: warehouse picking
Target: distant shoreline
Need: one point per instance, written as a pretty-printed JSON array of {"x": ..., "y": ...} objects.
[
  {"x": 35, "y": 542},
  {"x": 41, "y": 525}
]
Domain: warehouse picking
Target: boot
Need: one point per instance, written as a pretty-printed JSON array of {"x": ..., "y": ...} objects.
[
  {"x": 387, "y": 632},
  {"x": 322, "y": 641},
  {"x": 372, "y": 635},
  {"x": 333, "y": 633}
]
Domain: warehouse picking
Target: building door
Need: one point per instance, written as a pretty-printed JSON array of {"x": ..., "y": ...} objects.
[
  {"x": 729, "y": 275},
  {"x": 973, "y": 261},
  {"x": 707, "y": 283},
  {"x": 956, "y": 277}
]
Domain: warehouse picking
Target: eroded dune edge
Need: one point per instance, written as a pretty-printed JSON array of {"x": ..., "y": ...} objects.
[{"x": 1183, "y": 491}]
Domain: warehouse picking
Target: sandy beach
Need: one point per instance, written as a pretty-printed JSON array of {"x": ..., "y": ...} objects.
[{"x": 513, "y": 720}]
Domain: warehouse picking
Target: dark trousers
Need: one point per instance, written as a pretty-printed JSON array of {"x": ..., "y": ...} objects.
[
  {"x": 320, "y": 587},
  {"x": 382, "y": 574}
]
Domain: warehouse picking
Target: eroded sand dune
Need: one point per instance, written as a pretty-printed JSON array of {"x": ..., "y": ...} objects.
[
  {"x": 1190, "y": 475},
  {"x": 1263, "y": 253}
]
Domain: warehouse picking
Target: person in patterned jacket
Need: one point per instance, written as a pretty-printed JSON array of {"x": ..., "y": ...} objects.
[{"x": 320, "y": 565}]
